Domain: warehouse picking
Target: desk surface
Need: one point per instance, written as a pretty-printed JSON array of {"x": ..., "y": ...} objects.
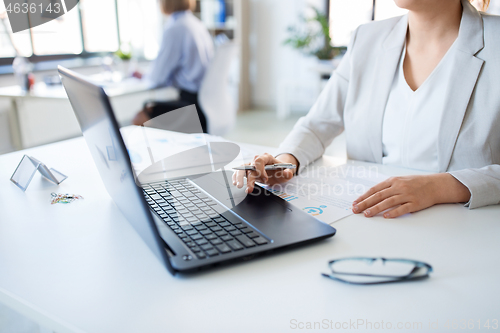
[{"x": 82, "y": 268}]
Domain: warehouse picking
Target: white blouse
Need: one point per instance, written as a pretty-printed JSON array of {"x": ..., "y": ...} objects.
[{"x": 412, "y": 118}]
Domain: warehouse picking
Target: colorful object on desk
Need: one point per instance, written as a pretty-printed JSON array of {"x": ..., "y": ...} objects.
[{"x": 64, "y": 198}]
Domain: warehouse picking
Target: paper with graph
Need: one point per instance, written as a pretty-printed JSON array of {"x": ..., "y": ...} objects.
[{"x": 327, "y": 193}]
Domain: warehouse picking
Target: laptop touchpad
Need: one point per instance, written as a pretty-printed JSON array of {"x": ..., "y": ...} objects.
[{"x": 256, "y": 205}]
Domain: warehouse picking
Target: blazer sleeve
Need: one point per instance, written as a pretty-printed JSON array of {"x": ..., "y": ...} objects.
[
  {"x": 313, "y": 133},
  {"x": 483, "y": 184}
]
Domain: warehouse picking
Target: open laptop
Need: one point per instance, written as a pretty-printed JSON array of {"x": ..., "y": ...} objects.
[{"x": 186, "y": 222}]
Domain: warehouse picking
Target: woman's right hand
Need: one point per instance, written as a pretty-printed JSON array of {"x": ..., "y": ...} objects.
[
  {"x": 269, "y": 177},
  {"x": 137, "y": 75}
]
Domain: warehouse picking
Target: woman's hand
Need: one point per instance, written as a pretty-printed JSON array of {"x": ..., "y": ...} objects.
[
  {"x": 269, "y": 177},
  {"x": 137, "y": 75},
  {"x": 402, "y": 195}
]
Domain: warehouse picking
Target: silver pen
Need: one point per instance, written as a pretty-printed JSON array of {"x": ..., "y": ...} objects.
[{"x": 277, "y": 166}]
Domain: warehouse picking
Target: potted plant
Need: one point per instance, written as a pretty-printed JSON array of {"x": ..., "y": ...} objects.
[{"x": 311, "y": 40}]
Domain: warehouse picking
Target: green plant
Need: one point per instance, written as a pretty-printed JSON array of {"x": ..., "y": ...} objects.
[
  {"x": 123, "y": 55},
  {"x": 313, "y": 41}
]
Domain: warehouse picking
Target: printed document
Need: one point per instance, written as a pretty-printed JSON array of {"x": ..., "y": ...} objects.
[{"x": 327, "y": 193}]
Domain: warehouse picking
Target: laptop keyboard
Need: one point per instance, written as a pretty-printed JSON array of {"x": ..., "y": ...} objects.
[{"x": 190, "y": 214}]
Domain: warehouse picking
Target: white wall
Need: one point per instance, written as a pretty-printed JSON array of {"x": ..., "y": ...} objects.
[{"x": 271, "y": 61}]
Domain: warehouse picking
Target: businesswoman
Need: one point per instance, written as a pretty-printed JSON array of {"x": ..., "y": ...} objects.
[
  {"x": 185, "y": 52},
  {"x": 419, "y": 91}
]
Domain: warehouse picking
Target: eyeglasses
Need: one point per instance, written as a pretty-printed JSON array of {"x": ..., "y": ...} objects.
[{"x": 365, "y": 271}]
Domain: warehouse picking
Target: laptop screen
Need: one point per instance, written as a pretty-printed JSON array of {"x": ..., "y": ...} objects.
[{"x": 101, "y": 132}]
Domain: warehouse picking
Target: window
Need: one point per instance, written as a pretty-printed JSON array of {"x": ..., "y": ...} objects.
[
  {"x": 139, "y": 21},
  {"x": 346, "y": 16},
  {"x": 21, "y": 40},
  {"x": 92, "y": 27},
  {"x": 100, "y": 29},
  {"x": 59, "y": 36}
]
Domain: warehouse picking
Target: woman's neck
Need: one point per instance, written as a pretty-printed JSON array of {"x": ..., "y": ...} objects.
[{"x": 427, "y": 26}]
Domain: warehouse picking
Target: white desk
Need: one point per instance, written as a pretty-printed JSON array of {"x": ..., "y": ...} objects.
[
  {"x": 82, "y": 268},
  {"x": 44, "y": 114}
]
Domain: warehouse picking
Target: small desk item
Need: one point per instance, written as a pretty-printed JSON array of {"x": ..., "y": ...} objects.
[
  {"x": 27, "y": 168},
  {"x": 64, "y": 198},
  {"x": 365, "y": 271},
  {"x": 277, "y": 166}
]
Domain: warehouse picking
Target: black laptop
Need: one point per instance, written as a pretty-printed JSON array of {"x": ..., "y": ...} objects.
[{"x": 192, "y": 222}]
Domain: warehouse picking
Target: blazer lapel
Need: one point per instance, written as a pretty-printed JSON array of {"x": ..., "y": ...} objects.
[
  {"x": 467, "y": 68},
  {"x": 387, "y": 63}
]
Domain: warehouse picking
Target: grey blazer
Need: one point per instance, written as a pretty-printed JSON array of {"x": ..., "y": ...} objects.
[{"x": 355, "y": 97}]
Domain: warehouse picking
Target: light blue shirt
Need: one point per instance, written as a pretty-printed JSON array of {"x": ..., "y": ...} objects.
[{"x": 185, "y": 53}]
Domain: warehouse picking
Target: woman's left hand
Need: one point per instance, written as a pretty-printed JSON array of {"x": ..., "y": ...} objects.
[{"x": 401, "y": 195}]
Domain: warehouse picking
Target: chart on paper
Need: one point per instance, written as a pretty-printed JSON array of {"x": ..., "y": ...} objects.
[{"x": 327, "y": 193}]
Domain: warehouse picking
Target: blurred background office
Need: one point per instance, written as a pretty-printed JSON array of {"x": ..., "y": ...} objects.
[{"x": 284, "y": 51}]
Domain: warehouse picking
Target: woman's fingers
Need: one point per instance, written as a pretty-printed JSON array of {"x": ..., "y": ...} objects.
[
  {"x": 398, "y": 195},
  {"x": 252, "y": 177},
  {"x": 260, "y": 173},
  {"x": 401, "y": 210},
  {"x": 390, "y": 202},
  {"x": 240, "y": 175},
  {"x": 380, "y": 186},
  {"x": 260, "y": 163},
  {"x": 239, "y": 178},
  {"x": 372, "y": 200},
  {"x": 279, "y": 176}
]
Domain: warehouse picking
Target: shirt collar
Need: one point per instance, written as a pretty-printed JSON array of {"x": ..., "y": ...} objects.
[
  {"x": 180, "y": 13},
  {"x": 471, "y": 35}
]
